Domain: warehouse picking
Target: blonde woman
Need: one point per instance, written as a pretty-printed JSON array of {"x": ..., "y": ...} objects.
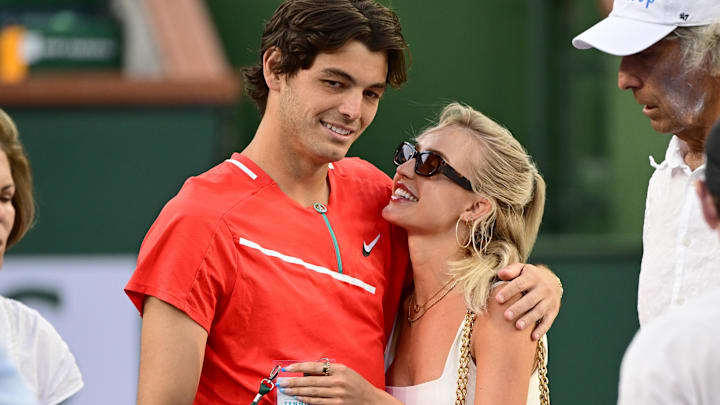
[
  {"x": 471, "y": 201},
  {"x": 30, "y": 342}
]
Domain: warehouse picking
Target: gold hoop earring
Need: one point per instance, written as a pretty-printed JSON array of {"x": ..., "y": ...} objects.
[
  {"x": 457, "y": 237},
  {"x": 483, "y": 235}
]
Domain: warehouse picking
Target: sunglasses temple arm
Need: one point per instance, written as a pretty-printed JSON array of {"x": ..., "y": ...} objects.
[{"x": 456, "y": 177}]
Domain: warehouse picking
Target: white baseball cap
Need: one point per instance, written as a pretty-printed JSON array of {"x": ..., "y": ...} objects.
[{"x": 635, "y": 25}]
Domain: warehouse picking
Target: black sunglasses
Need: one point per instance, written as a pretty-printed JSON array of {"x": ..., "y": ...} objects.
[{"x": 429, "y": 164}]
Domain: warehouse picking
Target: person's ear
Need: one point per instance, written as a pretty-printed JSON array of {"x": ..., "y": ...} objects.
[
  {"x": 479, "y": 207},
  {"x": 707, "y": 204},
  {"x": 271, "y": 58}
]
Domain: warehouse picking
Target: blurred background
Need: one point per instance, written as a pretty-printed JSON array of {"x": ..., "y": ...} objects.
[{"x": 119, "y": 101}]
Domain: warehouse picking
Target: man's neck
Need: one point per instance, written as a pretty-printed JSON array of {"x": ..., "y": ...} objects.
[
  {"x": 696, "y": 135},
  {"x": 695, "y": 140},
  {"x": 694, "y": 160},
  {"x": 300, "y": 178}
]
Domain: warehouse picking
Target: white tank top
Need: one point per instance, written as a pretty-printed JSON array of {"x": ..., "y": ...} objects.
[{"x": 442, "y": 390}]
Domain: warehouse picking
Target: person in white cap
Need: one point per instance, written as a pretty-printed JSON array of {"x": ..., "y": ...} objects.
[
  {"x": 671, "y": 61},
  {"x": 676, "y": 358}
]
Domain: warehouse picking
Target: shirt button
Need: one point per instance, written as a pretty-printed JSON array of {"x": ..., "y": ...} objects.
[
  {"x": 680, "y": 301},
  {"x": 686, "y": 242}
]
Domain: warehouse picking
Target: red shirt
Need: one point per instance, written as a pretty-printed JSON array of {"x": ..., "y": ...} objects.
[{"x": 259, "y": 272}]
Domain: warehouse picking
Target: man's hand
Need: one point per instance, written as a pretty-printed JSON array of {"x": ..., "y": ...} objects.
[
  {"x": 542, "y": 292},
  {"x": 341, "y": 385}
]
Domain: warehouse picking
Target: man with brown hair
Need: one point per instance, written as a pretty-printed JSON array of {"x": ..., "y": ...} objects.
[{"x": 281, "y": 253}]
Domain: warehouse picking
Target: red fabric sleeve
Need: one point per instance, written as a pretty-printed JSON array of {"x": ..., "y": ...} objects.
[{"x": 188, "y": 259}]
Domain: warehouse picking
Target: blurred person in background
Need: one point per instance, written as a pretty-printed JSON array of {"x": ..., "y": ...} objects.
[
  {"x": 281, "y": 252},
  {"x": 671, "y": 62},
  {"x": 676, "y": 358},
  {"x": 471, "y": 201},
  {"x": 41, "y": 355}
]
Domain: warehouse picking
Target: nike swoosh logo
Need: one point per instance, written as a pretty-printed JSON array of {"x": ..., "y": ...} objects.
[{"x": 367, "y": 248}]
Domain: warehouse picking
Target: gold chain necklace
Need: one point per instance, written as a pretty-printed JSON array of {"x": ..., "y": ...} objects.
[{"x": 420, "y": 310}]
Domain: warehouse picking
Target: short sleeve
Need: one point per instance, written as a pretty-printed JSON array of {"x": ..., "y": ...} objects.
[
  {"x": 188, "y": 259},
  {"x": 43, "y": 357}
]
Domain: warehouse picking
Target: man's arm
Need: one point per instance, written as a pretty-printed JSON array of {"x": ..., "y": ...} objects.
[
  {"x": 171, "y": 355},
  {"x": 542, "y": 291}
]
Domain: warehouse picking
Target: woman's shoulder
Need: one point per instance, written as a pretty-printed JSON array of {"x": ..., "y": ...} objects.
[
  {"x": 494, "y": 315},
  {"x": 29, "y": 328},
  {"x": 493, "y": 307},
  {"x": 24, "y": 320},
  {"x": 41, "y": 354}
]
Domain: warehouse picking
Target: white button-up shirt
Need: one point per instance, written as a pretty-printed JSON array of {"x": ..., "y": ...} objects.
[
  {"x": 675, "y": 359},
  {"x": 681, "y": 253}
]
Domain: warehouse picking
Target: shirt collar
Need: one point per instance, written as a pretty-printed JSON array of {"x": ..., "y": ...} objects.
[{"x": 675, "y": 156}]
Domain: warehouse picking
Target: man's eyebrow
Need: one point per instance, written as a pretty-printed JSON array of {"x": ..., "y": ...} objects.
[{"x": 349, "y": 78}]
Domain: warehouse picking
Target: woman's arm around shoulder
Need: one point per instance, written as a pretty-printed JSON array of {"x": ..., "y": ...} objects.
[{"x": 504, "y": 356}]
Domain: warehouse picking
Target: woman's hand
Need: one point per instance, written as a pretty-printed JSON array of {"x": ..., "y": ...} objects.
[
  {"x": 542, "y": 293},
  {"x": 341, "y": 385}
]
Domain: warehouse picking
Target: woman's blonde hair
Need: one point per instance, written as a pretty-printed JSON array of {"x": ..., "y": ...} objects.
[
  {"x": 23, "y": 200},
  {"x": 504, "y": 173}
]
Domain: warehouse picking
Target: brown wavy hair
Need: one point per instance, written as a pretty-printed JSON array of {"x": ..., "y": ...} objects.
[
  {"x": 23, "y": 200},
  {"x": 301, "y": 29}
]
